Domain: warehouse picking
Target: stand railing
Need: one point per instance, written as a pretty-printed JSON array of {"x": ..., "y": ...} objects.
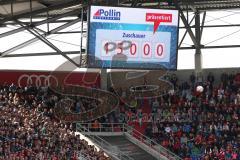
[
  {"x": 103, "y": 127},
  {"x": 151, "y": 143},
  {"x": 124, "y": 128},
  {"x": 85, "y": 156},
  {"x": 104, "y": 145}
]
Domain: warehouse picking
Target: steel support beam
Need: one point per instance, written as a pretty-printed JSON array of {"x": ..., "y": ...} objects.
[
  {"x": 69, "y": 32},
  {"x": 66, "y": 4},
  {"x": 197, "y": 32},
  {"x": 214, "y": 26},
  {"x": 22, "y": 45},
  {"x": 202, "y": 25},
  {"x": 3, "y": 2},
  {"x": 65, "y": 26},
  {"x": 40, "y": 30},
  {"x": 211, "y": 47},
  {"x": 185, "y": 33},
  {"x": 185, "y": 22},
  {"x": 34, "y": 23},
  {"x": 44, "y": 40},
  {"x": 81, "y": 38},
  {"x": 198, "y": 55},
  {"x": 38, "y": 23},
  {"x": 42, "y": 54},
  {"x": 134, "y": 3}
]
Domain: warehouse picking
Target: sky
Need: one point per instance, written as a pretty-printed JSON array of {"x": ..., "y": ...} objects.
[{"x": 211, "y": 58}]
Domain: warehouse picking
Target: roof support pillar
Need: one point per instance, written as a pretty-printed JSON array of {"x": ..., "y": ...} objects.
[
  {"x": 104, "y": 79},
  {"x": 198, "y": 55}
]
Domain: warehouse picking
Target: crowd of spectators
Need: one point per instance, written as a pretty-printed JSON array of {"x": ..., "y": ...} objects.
[
  {"x": 82, "y": 104},
  {"x": 29, "y": 130},
  {"x": 191, "y": 124},
  {"x": 197, "y": 125}
]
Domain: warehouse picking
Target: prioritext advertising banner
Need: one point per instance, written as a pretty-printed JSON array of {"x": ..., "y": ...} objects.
[{"x": 132, "y": 38}]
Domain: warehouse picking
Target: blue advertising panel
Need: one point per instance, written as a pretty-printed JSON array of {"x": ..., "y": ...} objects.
[{"x": 132, "y": 38}]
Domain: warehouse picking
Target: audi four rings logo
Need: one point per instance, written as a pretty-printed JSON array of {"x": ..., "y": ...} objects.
[{"x": 37, "y": 80}]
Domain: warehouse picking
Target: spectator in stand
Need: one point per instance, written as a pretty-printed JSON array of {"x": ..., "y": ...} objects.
[
  {"x": 200, "y": 79},
  {"x": 199, "y": 126},
  {"x": 193, "y": 125},
  {"x": 192, "y": 79},
  {"x": 174, "y": 80},
  {"x": 210, "y": 79},
  {"x": 224, "y": 79},
  {"x": 139, "y": 117},
  {"x": 29, "y": 130},
  {"x": 96, "y": 126}
]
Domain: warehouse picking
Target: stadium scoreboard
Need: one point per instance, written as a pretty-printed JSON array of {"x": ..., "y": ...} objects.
[{"x": 132, "y": 38}]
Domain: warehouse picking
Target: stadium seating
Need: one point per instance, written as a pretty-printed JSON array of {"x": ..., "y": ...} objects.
[
  {"x": 30, "y": 131},
  {"x": 193, "y": 125}
]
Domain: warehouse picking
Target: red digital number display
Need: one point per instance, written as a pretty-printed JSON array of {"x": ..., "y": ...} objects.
[{"x": 134, "y": 50}]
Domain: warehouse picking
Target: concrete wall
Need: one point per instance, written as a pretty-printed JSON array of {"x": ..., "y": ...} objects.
[
  {"x": 183, "y": 75},
  {"x": 121, "y": 79}
]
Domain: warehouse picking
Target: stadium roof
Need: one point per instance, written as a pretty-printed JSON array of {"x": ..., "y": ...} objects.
[{"x": 13, "y": 9}]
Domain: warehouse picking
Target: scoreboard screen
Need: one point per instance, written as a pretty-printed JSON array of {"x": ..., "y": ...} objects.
[{"x": 132, "y": 38}]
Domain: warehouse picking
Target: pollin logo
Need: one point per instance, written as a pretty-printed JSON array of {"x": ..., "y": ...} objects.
[{"x": 110, "y": 14}]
